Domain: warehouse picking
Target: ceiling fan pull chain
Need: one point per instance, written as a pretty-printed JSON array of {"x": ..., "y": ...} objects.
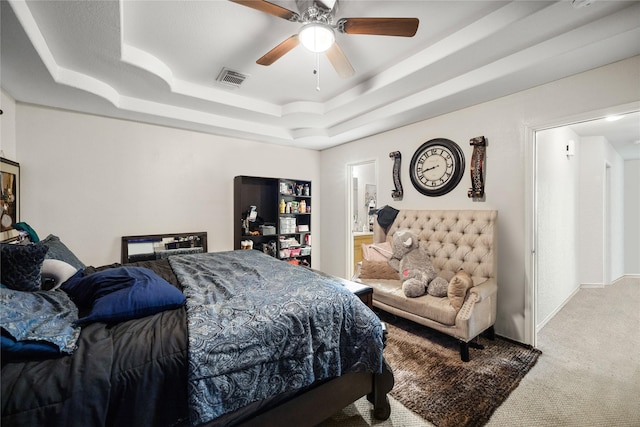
[{"x": 317, "y": 72}]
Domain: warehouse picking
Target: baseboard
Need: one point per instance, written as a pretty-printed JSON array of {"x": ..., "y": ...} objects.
[
  {"x": 591, "y": 285},
  {"x": 628, "y": 277}
]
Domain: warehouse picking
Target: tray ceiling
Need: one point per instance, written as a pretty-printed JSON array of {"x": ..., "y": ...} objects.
[{"x": 158, "y": 62}]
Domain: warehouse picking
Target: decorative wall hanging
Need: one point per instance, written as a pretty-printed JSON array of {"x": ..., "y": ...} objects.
[
  {"x": 479, "y": 145},
  {"x": 397, "y": 192},
  {"x": 437, "y": 167}
]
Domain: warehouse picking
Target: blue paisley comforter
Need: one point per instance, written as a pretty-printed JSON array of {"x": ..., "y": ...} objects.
[{"x": 259, "y": 327}]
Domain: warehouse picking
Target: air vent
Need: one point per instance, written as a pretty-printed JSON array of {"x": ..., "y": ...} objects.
[{"x": 231, "y": 78}]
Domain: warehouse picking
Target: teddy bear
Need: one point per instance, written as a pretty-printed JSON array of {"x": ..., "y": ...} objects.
[{"x": 412, "y": 262}]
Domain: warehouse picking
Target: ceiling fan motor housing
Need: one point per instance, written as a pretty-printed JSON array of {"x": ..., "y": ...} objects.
[{"x": 316, "y": 11}]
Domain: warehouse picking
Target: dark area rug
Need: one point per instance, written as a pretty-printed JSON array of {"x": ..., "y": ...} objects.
[{"x": 432, "y": 381}]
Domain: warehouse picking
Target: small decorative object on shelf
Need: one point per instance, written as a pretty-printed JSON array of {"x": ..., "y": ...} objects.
[
  {"x": 284, "y": 222},
  {"x": 479, "y": 145}
]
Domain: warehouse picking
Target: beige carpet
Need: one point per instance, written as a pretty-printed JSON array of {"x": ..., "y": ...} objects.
[{"x": 588, "y": 373}]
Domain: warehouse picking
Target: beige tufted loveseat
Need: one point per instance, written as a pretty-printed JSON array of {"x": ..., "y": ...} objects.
[{"x": 455, "y": 239}]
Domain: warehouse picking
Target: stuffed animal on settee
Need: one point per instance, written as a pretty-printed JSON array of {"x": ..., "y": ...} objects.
[{"x": 412, "y": 262}]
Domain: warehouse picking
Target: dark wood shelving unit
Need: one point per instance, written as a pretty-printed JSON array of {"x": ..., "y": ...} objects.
[{"x": 278, "y": 230}]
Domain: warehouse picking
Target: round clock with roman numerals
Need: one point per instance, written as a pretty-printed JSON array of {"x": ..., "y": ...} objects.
[{"x": 437, "y": 167}]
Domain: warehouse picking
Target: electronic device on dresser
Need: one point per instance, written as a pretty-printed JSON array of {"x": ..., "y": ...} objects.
[{"x": 147, "y": 247}]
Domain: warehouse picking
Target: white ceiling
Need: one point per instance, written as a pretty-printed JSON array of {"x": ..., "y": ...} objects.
[{"x": 157, "y": 62}]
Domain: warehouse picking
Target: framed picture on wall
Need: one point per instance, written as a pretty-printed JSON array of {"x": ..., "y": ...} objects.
[{"x": 10, "y": 185}]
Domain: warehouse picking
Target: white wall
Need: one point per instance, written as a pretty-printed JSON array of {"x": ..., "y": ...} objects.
[
  {"x": 557, "y": 236},
  {"x": 91, "y": 180},
  {"x": 631, "y": 215},
  {"x": 8, "y": 126},
  {"x": 597, "y": 155},
  {"x": 504, "y": 122}
]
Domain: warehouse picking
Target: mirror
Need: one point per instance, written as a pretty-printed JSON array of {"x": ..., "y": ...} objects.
[{"x": 363, "y": 197}]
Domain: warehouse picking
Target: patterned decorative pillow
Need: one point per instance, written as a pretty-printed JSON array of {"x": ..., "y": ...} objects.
[
  {"x": 59, "y": 251},
  {"x": 21, "y": 266}
]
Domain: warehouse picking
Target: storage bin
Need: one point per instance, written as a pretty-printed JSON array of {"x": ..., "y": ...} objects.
[
  {"x": 267, "y": 230},
  {"x": 305, "y": 250},
  {"x": 287, "y": 225},
  {"x": 294, "y": 252},
  {"x": 284, "y": 253}
]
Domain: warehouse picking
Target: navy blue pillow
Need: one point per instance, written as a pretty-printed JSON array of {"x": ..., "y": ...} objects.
[
  {"x": 17, "y": 350},
  {"x": 120, "y": 294},
  {"x": 20, "y": 266}
]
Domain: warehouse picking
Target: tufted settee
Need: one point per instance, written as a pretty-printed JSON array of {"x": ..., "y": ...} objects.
[{"x": 455, "y": 239}]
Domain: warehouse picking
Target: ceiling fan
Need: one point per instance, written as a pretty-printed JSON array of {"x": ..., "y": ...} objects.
[{"x": 318, "y": 30}]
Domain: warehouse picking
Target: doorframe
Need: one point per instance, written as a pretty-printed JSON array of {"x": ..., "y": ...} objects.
[
  {"x": 606, "y": 225},
  {"x": 349, "y": 211},
  {"x": 530, "y": 220}
]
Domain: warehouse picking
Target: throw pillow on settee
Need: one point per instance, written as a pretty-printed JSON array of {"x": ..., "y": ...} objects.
[{"x": 458, "y": 287}]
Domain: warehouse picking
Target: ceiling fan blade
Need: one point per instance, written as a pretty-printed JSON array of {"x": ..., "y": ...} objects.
[
  {"x": 339, "y": 61},
  {"x": 278, "y": 52},
  {"x": 270, "y": 8},
  {"x": 402, "y": 27}
]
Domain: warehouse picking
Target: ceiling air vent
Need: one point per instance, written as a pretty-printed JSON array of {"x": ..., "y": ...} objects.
[{"x": 231, "y": 78}]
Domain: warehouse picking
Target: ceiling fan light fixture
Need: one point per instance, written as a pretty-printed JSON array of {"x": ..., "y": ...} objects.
[{"x": 317, "y": 37}]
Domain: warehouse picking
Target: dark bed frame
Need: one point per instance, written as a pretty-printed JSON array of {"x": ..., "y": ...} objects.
[{"x": 326, "y": 399}]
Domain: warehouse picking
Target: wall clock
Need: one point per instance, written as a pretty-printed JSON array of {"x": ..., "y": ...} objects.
[{"x": 437, "y": 167}]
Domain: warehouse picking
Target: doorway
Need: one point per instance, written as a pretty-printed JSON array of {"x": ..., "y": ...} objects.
[
  {"x": 362, "y": 198},
  {"x": 574, "y": 201}
]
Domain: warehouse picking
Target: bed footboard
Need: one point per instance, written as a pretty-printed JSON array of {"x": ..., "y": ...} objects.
[{"x": 323, "y": 401}]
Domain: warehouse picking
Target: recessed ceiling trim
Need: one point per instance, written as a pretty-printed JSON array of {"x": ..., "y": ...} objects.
[
  {"x": 145, "y": 81},
  {"x": 480, "y": 30},
  {"x": 196, "y": 116}
]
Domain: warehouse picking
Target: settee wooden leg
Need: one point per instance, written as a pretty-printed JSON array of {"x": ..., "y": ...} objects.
[
  {"x": 464, "y": 347},
  {"x": 464, "y": 351},
  {"x": 490, "y": 333}
]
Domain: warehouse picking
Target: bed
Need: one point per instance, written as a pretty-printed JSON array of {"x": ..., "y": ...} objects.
[{"x": 256, "y": 341}]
